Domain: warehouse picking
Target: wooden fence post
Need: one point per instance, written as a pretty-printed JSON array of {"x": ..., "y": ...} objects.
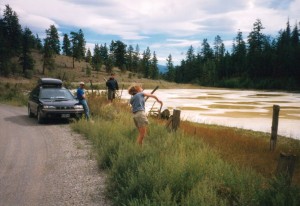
[
  {"x": 175, "y": 119},
  {"x": 286, "y": 166},
  {"x": 274, "y": 127},
  {"x": 91, "y": 82}
]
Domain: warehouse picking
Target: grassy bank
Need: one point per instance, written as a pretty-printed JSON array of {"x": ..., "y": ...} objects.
[{"x": 194, "y": 166}]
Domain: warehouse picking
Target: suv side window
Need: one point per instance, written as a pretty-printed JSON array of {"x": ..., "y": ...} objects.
[{"x": 35, "y": 93}]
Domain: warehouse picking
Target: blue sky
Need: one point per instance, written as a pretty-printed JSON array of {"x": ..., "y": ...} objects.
[{"x": 165, "y": 26}]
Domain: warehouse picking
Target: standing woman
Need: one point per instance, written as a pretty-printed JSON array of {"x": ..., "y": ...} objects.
[{"x": 137, "y": 102}]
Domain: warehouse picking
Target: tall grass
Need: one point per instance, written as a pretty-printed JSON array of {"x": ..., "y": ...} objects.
[
  {"x": 170, "y": 168},
  {"x": 14, "y": 94}
]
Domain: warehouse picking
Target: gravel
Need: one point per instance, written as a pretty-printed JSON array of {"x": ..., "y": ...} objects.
[
  {"x": 76, "y": 172},
  {"x": 46, "y": 164}
]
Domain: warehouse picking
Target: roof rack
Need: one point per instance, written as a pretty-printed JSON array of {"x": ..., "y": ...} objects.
[{"x": 50, "y": 82}]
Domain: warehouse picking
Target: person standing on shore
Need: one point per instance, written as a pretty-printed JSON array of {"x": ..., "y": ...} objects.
[
  {"x": 137, "y": 102},
  {"x": 112, "y": 86},
  {"x": 82, "y": 100}
]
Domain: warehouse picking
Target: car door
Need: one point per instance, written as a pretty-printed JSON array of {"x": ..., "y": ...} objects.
[{"x": 34, "y": 100}]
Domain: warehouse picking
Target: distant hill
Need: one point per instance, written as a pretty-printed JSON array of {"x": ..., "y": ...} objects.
[{"x": 162, "y": 68}]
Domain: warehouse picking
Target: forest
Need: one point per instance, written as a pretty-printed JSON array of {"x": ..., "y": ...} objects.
[{"x": 258, "y": 62}]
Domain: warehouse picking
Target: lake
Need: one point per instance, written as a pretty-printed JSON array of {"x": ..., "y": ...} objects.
[{"x": 235, "y": 108}]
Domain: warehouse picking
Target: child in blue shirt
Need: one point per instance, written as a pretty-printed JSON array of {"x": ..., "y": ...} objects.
[{"x": 137, "y": 102}]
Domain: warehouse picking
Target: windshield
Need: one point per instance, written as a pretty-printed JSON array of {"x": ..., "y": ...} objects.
[{"x": 56, "y": 94}]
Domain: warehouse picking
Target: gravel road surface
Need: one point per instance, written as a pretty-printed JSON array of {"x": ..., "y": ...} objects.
[{"x": 45, "y": 164}]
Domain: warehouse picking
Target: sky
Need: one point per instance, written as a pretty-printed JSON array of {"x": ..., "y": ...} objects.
[{"x": 165, "y": 26}]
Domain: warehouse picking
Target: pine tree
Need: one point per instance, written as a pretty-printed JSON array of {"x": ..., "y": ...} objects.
[
  {"x": 136, "y": 59},
  {"x": 146, "y": 63},
  {"x": 129, "y": 58},
  {"x": 255, "y": 49},
  {"x": 78, "y": 46},
  {"x": 10, "y": 39},
  {"x": 66, "y": 47},
  {"x": 53, "y": 39},
  {"x": 154, "y": 68},
  {"x": 170, "y": 75},
  {"x": 239, "y": 52},
  {"x": 103, "y": 54},
  {"x": 26, "y": 59},
  {"x": 96, "y": 59},
  {"x": 88, "y": 56},
  {"x": 118, "y": 50}
]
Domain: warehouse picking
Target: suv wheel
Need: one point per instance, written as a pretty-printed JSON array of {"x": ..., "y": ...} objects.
[
  {"x": 30, "y": 114},
  {"x": 39, "y": 117}
]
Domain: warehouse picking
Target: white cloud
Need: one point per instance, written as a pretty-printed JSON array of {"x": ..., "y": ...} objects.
[{"x": 178, "y": 23}]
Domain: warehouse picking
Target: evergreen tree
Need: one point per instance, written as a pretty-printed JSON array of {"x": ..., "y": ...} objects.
[
  {"x": 88, "y": 57},
  {"x": 38, "y": 43},
  {"x": 104, "y": 54},
  {"x": 219, "y": 52},
  {"x": 96, "y": 60},
  {"x": 296, "y": 54},
  {"x": 154, "y": 68},
  {"x": 78, "y": 46},
  {"x": 189, "y": 69},
  {"x": 129, "y": 58},
  {"x": 118, "y": 50},
  {"x": 10, "y": 39},
  {"x": 136, "y": 59},
  {"x": 53, "y": 39},
  {"x": 48, "y": 54},
  {"x": 206, "y": 51},
  {"x": 239, "y": 52},
  {"x": 219, "y": 48},
  {"x": 26, "y": 59},
  {"x": 12, "y": 31},
  {"x": 170, "y": 75},
  {"x": 146, "y": 70},
  {"x": 255, "y": 48},
  {"x": 66, "y": 47}
]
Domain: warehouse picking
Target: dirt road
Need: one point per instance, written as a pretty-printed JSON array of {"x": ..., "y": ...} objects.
[{"x": 45, "y": 164}]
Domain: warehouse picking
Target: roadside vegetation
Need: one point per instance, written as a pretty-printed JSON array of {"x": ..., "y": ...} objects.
[
  {"x": 197, "y": 165},
  {"x": 14, "y": 93}
]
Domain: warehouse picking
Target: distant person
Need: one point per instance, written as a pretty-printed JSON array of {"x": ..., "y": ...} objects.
[
  {"x": 112, "y": 86},
  {"x": 137, "y": 102},
  {"x": 82, "y": 100}
]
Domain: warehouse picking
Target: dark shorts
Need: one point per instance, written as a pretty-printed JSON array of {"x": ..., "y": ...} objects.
[
  {"x": 140, "y": 119},
  {"x": 111, "y": 94}
]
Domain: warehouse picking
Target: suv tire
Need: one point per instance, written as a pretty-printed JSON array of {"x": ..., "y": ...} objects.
[
  {"x": 39, "y": 117},
  {"x": 30, "y": 114}
]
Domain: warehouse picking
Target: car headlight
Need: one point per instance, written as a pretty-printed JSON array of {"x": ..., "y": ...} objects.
[
  {"x": 48, "y": 107},
  {"x": 78, "y": 106}
]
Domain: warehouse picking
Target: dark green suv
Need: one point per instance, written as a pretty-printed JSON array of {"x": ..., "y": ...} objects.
[{"x": 49, "y": 99}]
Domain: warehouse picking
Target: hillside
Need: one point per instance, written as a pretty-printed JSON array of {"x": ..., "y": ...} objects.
[{"x": 64, "y": 70}]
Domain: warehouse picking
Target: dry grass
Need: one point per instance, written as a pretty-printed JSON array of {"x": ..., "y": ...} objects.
[{"x": 246, "y": 148}]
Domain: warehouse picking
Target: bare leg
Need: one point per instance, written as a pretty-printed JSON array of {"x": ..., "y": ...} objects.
[{"x": 142, "y": 133}]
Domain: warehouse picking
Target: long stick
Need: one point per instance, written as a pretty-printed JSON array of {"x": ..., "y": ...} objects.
[
  {"x": 121, "y": 91},
  {"x": 152, "y": 92}
]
